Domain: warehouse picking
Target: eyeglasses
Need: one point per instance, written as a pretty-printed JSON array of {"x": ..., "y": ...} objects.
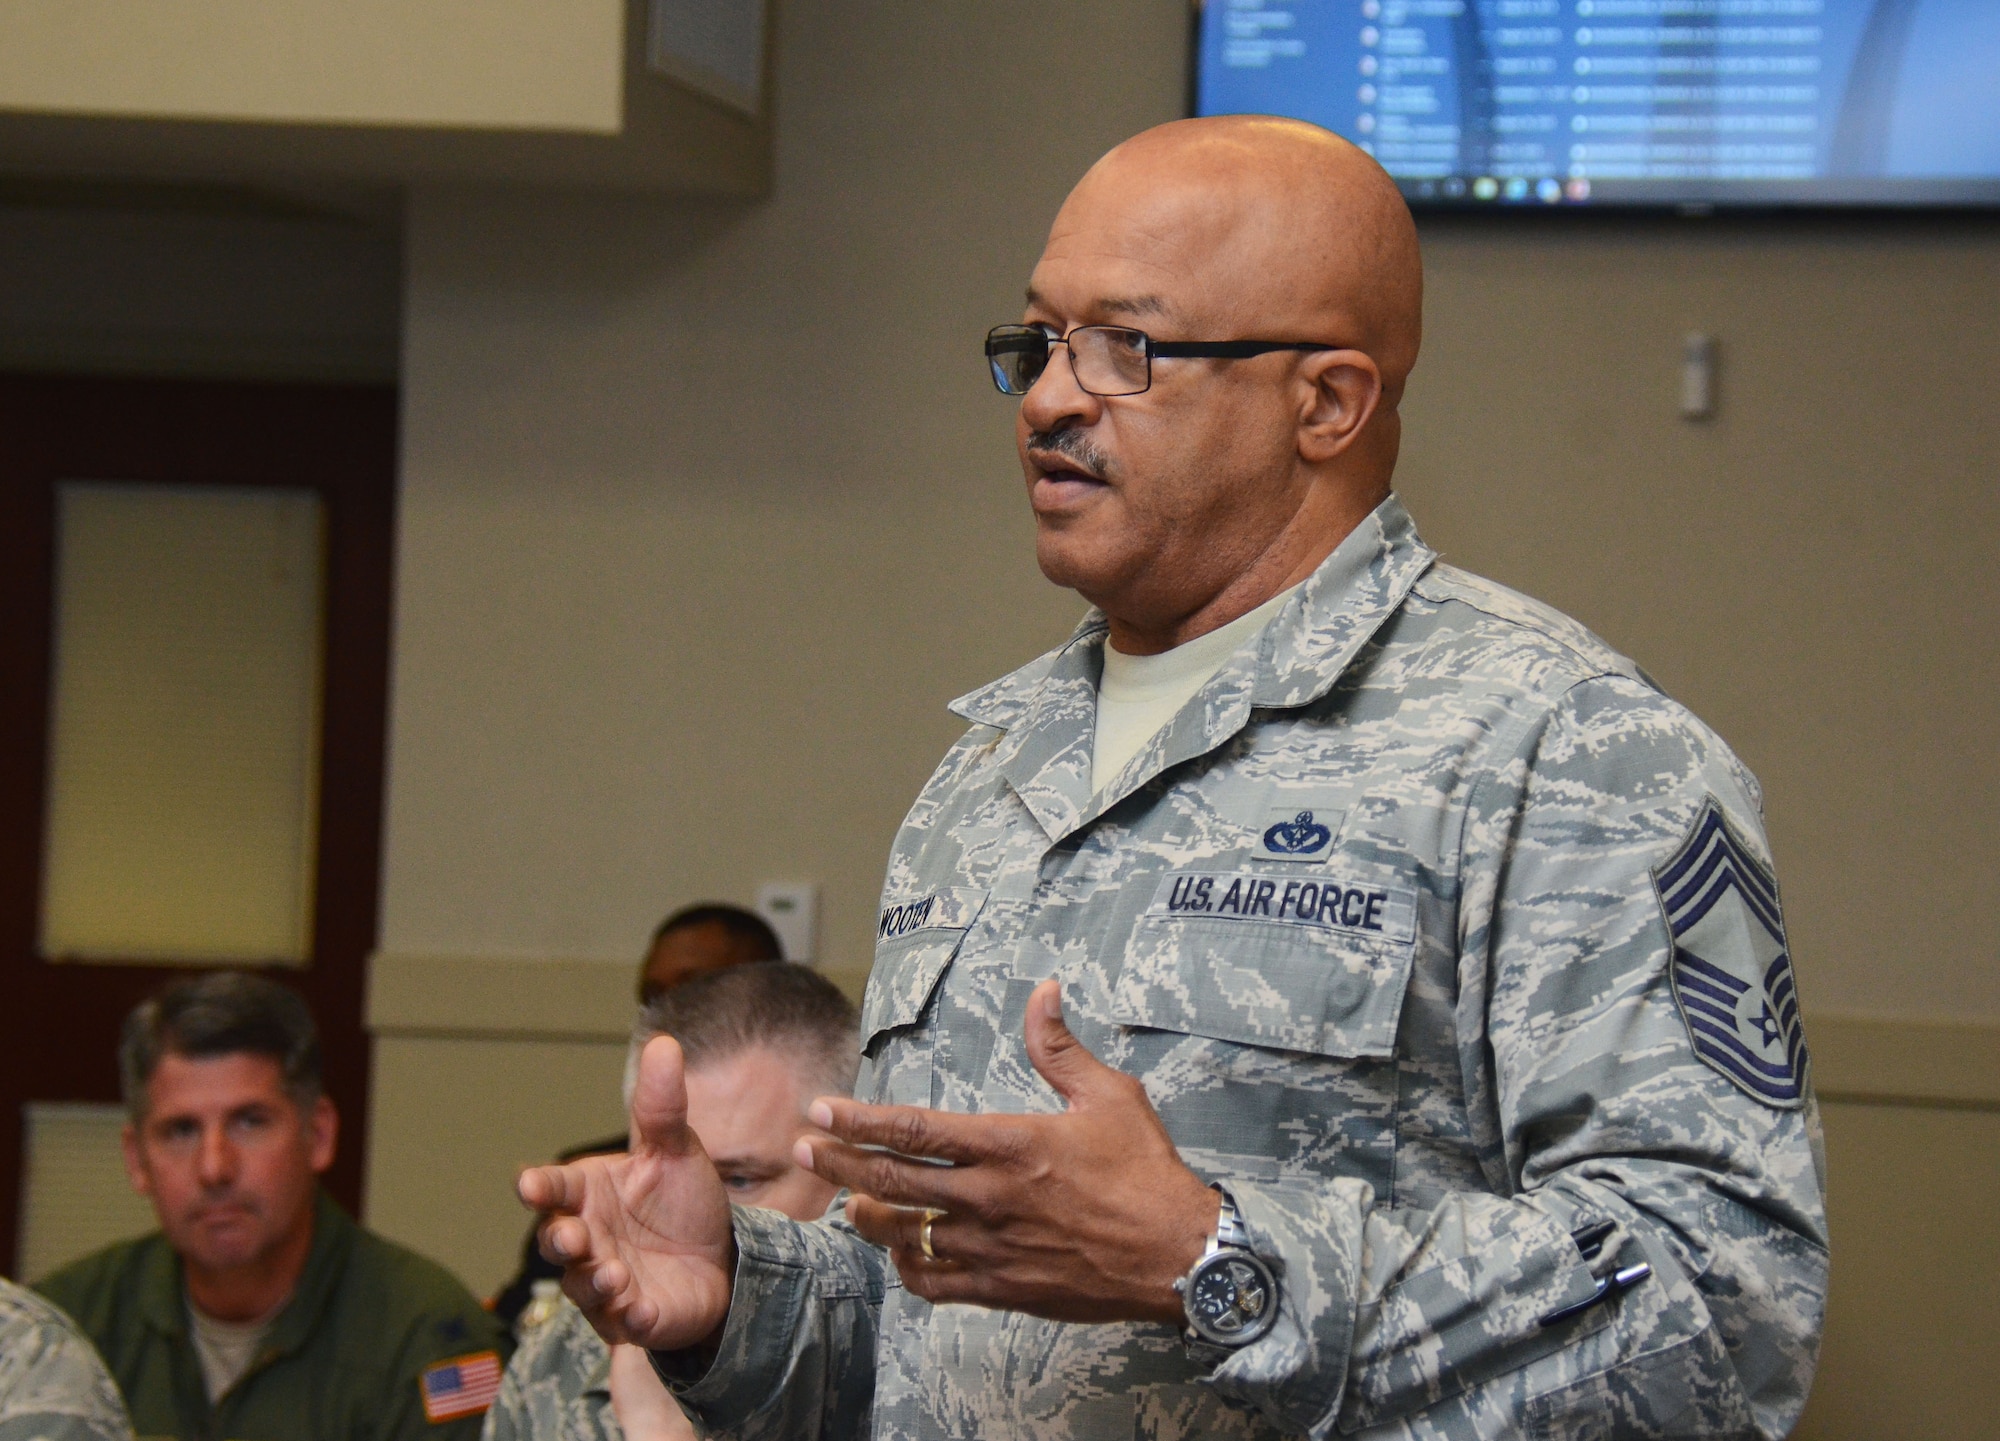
[{"x": 1107, "y": 359}]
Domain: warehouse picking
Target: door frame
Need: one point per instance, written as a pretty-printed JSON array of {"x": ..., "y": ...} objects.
[{"x": 59, "y": 1023}]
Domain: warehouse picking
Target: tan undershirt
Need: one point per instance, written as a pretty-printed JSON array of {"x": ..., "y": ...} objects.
[
  {"x": 1139, "y": 694},
  {"x": 227, "y": 1349}
]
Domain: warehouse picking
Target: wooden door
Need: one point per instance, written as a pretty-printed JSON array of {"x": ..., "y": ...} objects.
[{"x": 59, "y": 1022}]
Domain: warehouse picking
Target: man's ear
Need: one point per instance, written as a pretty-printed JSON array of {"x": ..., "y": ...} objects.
[
  {"x": 1345, "y": 388},
  {"x": 135, "y": 1160},
  {"x": 322, "y": 1132}
]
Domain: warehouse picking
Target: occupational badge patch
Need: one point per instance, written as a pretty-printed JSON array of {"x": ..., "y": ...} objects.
[
  {"x": 1294, "y": 833},
  {"x": 1732, "y": 971}
]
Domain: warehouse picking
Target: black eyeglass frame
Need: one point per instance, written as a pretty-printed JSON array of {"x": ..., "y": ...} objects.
[{"x": 1155, "y": 349}]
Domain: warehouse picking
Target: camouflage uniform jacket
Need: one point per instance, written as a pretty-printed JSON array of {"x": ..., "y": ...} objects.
[
  {"x": 557, "y": 1387},
  {"x": 52, "y": 1386},
  {"x": 1440, "y": 937}
]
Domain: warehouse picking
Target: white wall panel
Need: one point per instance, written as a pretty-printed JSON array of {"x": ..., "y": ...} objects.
[{"x": 74, "y": 1192}]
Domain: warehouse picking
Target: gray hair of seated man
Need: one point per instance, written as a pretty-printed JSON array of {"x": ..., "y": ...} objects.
[
  {"x": 781, "y": 1006},
  {"x": 224, "y": 1013}
]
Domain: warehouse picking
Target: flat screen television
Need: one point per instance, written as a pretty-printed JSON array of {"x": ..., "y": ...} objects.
[{"x": 1691, "y": 104}]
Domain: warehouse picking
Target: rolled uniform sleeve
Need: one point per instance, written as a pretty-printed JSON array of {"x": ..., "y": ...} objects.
[
  {"x": 797, "y": 1355},
  {"x": 53, "y": 1387},
  {"x": 1590, "y": 1105}
]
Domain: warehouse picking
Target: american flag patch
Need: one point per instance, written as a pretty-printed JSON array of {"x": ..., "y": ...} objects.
[{"x": 462, "y": 1386}]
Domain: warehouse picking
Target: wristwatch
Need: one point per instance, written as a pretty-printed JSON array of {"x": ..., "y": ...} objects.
[{"x": 1230, "y": 1298}]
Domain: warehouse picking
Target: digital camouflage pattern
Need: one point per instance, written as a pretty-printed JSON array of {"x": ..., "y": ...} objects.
[
  {"x": 1375, "y": 920},
  {"x": 52, "y": 1385},
  {"x": 557, "y": 1387}
]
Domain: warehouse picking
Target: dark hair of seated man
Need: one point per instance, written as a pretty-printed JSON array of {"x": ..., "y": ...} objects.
[{"x": 697, "y": 939}]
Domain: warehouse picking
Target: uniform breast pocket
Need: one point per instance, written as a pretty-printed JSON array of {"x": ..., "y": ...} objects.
[
  {"x": 1271, "y": 1035},
  {"x": 1308, "y": 965},
  {"x": 916, "y": 940}
]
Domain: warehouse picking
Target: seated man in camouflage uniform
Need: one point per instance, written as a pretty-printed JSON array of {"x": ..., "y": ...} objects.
[
  {"x": 694, "y": 941},
  {"x": 259, "y": 1311},
  {"x": 53, "y": 1387},
  {"x": 1330, "y": 993},
  {"x": 758, "y": 1042}
]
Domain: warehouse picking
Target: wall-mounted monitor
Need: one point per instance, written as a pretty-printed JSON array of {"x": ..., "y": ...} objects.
[{"x": 1674, "y": 103}]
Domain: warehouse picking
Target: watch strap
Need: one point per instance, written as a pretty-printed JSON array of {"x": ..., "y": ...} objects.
[{"x": 1229, "y": 1228}]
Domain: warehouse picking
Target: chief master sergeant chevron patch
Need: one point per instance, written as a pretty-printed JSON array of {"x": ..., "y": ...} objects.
[{"x": 1732, "y": 972}]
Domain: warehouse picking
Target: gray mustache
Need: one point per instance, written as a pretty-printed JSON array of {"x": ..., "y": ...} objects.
[{"x": 1072, "y": 445}]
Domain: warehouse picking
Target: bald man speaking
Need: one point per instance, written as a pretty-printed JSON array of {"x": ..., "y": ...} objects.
[{"x": 1330, "y": 994}]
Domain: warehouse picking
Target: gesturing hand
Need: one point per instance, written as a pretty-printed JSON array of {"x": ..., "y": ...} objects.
[
  {"x": 644, "y": 1239},
  {"x": 1084, "y": 1216}
]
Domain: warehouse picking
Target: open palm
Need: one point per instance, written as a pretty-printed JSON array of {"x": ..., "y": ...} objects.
[{"x": 644, "y": 1239}]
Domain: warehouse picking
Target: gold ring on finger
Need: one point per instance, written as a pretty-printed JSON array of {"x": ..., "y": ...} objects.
[{"x": 924, "y": 1233}]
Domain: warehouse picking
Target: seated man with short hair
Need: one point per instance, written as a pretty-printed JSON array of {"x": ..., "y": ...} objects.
[
  {"x": 259, "y": 1311},
  {"x": 695, "y": 940},
  {"x": 53, "y": 1387},
  {"x": 759, "y": 1043}
]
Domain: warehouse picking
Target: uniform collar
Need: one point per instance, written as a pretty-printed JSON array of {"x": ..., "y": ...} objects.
[
  {"x": 1048, "y": 708},
  {"x": 332, "y": 1243},
  {"x": 163, "y": 1296},
  {"x": 161, "y": 1301}
]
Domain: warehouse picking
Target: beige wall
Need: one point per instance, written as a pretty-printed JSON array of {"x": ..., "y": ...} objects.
[
  {"x": 1909, "y": 1350},
  {"x": 554, "y": 64},
  {"x": 707, "y": 510},
  {"x": 511, "y": 1101},
  {"x": 682, "y": 592},
  {"x": 681, "y": 596},
  {"x": 1811, "y": 571}
]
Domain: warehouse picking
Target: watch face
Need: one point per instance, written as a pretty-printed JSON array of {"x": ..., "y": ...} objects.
[{"x": 1232, "y": 1299}]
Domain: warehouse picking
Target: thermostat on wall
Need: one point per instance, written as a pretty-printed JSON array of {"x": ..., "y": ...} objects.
[{"x": 792, "y": 908}]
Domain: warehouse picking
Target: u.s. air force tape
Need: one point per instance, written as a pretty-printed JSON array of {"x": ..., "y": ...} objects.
[{"x": 1373, "y": 912}]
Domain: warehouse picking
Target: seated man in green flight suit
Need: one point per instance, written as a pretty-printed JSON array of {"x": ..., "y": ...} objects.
[{"x": 259, "y": 1311}]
